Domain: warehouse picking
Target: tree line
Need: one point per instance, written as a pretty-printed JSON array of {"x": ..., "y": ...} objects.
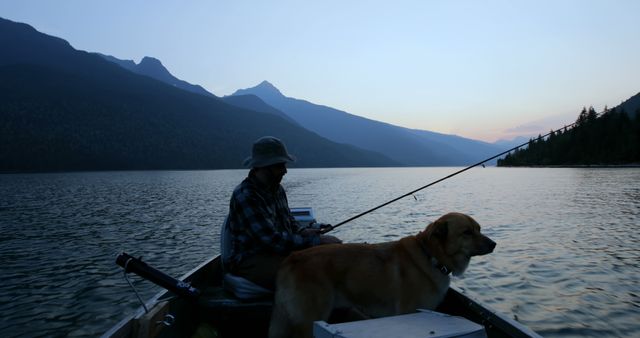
[{"x": 609, "y": 138}]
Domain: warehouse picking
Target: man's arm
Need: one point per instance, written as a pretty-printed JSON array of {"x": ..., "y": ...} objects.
[{"x": 253, "y": 213}]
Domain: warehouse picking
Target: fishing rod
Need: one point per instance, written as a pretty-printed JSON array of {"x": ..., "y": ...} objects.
[
  {"x": 328, "y": 228},
  {"x": 142, "y": 269}
]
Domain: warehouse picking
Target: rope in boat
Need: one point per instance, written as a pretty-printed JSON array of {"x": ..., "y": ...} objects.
[{"x": 567, "y": 127}]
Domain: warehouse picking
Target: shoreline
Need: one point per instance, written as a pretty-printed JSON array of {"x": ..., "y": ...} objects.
[{"x": 631, "y": 165}]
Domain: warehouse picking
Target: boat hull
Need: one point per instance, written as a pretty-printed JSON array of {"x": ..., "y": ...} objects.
[{"x": 216, "y": 313}]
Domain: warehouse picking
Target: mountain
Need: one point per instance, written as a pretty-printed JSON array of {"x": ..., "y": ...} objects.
[
  {"x": 407, "y": 146},
  {"x": 153, "y": 68},
  {"x": 452, "y": 145},
  {"x": 631, "y": 106},
  {"x": 62, "y": 109},
  {"x": 254, "y": 103},
  {"x": 264, "y": 90},
  {"x": 508, "y": 144}
]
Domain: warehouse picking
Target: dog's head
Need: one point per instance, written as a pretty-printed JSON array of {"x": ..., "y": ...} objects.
[{"x": 453, "y": 239}]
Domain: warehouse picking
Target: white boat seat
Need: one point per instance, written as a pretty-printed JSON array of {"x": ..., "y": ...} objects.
[
  {"x": 244, "y": 289},
  {"x": 240, "y": 287},
  {"x": 424, "y": 323}
]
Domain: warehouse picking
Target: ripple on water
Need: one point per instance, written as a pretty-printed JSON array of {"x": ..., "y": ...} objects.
[{"x": 566, "y": 263}]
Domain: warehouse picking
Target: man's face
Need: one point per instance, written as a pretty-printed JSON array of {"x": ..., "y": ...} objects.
[{"x": 276, "y": 172}]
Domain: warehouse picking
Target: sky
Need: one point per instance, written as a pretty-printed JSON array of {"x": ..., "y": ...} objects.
[{"x": 485, "y": 70}]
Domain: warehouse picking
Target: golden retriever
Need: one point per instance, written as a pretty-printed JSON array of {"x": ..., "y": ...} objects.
[{"x": 375, "y": 280}]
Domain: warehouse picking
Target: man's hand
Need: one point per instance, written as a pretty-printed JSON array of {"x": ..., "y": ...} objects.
[
  {"x": 325, "y": 226},
  {"x": 310, "y": 232},
  {"x": 324, "y": 239}
]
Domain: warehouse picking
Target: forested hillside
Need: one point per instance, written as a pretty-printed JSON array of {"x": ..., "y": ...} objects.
[{"x": 609, "y": 138}]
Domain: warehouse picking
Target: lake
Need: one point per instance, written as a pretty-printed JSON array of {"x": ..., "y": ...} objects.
[{"x": 567, "y": 263}]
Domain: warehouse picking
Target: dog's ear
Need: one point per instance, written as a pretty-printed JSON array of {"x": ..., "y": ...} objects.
[{"x": 441, "y": 229}]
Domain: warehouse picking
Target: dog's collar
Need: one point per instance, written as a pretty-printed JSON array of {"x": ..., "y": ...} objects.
[
  {"x": 434, "y": 261},
  {"x": 443, "y": 269}
]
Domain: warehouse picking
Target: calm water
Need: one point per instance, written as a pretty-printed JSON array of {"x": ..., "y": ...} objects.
[{"x": 567, "y": 262}]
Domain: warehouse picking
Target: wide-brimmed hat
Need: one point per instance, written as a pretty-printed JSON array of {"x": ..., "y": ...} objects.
[{"x": 266, "y": 151}]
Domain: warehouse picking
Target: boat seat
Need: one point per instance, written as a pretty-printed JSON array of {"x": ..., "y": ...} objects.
[
  {"x": 244, "y": 289},
  {"x": 240, "y": 287},
  {"x": 230, "y": 315},
  {"x": 437, "y": 325}
]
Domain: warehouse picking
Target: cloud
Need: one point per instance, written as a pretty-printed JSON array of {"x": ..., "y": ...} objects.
[
  {"x": 541, "y": 126},
  {"x": 525, "y": 128},
  {"x": 537, "y": 127}
]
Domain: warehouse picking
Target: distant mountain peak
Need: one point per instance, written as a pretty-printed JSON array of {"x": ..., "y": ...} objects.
[
  {"x": 264, "y": 89},
  {"x": 152, "y": 67},
  {"x": 151, "y": 61},
  {"x": 153, "y": 64},
  {"x": 267, "y": 87}
]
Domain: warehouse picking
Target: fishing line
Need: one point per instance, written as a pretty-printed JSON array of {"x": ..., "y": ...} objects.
[{"x": 331, "y": 227}]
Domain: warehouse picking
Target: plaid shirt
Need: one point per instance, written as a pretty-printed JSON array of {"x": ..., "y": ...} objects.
[{"x": 260, "y": 221}]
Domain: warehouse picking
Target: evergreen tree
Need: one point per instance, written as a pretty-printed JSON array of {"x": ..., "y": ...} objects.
[{"x": 612, "y": 138}]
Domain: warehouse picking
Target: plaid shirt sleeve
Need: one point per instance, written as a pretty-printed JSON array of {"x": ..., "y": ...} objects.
[{"x": 262, "y": 226}]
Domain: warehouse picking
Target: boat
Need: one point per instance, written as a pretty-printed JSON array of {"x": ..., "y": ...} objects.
[{"x": 205, "y": 303}]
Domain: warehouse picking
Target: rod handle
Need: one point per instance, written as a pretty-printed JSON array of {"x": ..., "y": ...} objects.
[{"x": 142, "y": 269}]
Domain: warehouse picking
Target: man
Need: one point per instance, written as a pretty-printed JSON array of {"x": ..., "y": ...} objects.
[{"x": 263, "y": 232}]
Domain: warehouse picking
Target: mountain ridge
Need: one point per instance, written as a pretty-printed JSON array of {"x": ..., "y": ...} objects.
[
  {"x": 631, "y": 105},
  {"x": 64, "y": 109},
  {"x": 407, "y": 146},
  {"x": 152, "y": 67}
]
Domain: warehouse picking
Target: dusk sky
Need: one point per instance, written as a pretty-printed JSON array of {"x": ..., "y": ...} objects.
[{"x": 480, "y": 69}]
